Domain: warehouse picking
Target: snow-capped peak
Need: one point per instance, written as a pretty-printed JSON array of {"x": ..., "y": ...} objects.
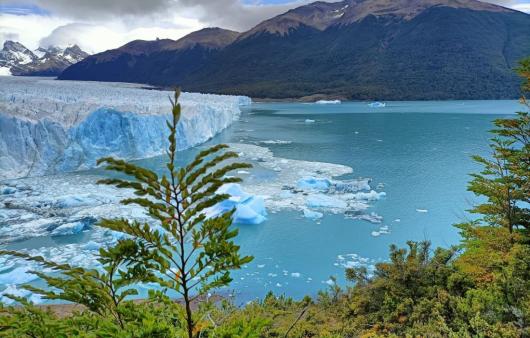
[{"x": 16, "y": 59}]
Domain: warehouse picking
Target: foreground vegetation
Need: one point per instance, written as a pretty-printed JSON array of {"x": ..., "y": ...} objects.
[{"x": 479, "y": 288}]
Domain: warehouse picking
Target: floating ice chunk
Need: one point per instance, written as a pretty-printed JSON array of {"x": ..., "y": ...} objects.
[
  {"x": 328, "y": 102},
  {"x": 422, "y": 210},
  {"x": 369, "y": 196},
  {"x": 71, "y": 228},
  {"x": 296, "y": 274},
  {"x": 313, "y": 183},
  {"x": 250, "y": 209},
  {"x": 19, "y": 275},
  {"x": 329, "y": 282},
  {"x": 324, "y": 201},
  {"x": 375, "y": 233},
  {"x": 350, "y": 185},
  {"x": 74, "y": 201},
  {"x": 312, "y": 214},
  {"x": 372, "y": 218},
  {"x": 377, "y": 105},
  {"x": 91, "y": 246},
  {"x": 309, "y": 121},
  {"x": 261, "y": 266},
  {"x": 276, "y": 142}
]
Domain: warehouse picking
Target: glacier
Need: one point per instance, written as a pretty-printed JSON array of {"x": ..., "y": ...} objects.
[{"x": 49, "y": 126}]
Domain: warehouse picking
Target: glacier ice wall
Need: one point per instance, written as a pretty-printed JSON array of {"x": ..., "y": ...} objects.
[{"x": 49, "y": 126}]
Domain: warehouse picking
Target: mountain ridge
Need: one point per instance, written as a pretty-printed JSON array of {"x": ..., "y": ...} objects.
[
  {"x": 16, "y": 59},
  {"x": 353, "y": 49}
]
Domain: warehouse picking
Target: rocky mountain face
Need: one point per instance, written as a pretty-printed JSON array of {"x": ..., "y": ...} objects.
[
  {"x": 353, "y": 49},
  {"x": 159, "y": 62},
  {"x": 16, "y": 59}
]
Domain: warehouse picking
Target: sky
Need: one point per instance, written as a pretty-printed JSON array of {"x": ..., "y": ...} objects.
[{"x": 98, "y": 25}]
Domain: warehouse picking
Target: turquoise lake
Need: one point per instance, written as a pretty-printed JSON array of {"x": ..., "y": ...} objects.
[{"x": 418, "y": 153}]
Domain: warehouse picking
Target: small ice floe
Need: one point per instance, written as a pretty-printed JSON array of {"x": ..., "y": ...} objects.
[
  {"x": 250, "y": 209},
  {"x": 261, "y": 266},
  {"x": 243, "y": 172},
  {"x": 309, "y": 121},
  {"x": 311, "y": 214},
  {"x": 397, "y": 220},
  {"x": 73, "y": 228},
  {"x": 329, "y": 282},
  {"x": 422, "y": 210},
  {"x": 276, "y": 142},
  {"x": 383, "y": 230},
  {"x": 313, "y": 183},
  {"x": 325, "y": 201},
  {"x": 296, "y": 274},
  {"x": 328, "y": 102},
  {"x": 91, "y": 245},
  {"x": 377, "y": 104},
  {"x": 278, "y": 285},
  {"x": 356, "y": 261}
]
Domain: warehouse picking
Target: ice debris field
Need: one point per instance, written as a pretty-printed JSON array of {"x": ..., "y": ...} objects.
[{"x": 56, "y": 216}]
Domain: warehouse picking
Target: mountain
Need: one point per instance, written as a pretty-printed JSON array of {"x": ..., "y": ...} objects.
[
  {"x": 16, "y": 59},
  {"x": 160, "y": 62},
  {"x": 353, "y": 49}
]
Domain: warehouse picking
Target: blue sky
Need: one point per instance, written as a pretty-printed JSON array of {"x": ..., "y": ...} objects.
[{"x": 97, "y": 25}]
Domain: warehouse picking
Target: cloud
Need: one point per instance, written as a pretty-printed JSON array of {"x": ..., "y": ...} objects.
[
  {"x": 233, "y": 14},
  {"x": 523, "y": 7},
  {"x": 236, "y": 15},
  {"x": 28, "y": 29},
  {"x": 95, "y": 38},
  {"x": 94, "y": 9}
]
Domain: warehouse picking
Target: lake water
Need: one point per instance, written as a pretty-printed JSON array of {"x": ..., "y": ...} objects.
[{"x": 418, "y": 153}]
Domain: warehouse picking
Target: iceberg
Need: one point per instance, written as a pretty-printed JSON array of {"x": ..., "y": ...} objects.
[
  {"x": 377, "y": 105},
  {"x": 328, "y": 102},
  {"x": 249, "y": 209},
  {"x": 313, "y": 183},
  {"x": 311, "y": 214},
  {"x": 325, "y": 201},
  {"x": 70, "y": 228},
  {"x": 49, "y": 127}
]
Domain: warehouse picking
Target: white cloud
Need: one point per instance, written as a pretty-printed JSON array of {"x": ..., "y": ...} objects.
[
  {"x": 522, "y": 7},
  {"x": 93, "y": 36}
]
